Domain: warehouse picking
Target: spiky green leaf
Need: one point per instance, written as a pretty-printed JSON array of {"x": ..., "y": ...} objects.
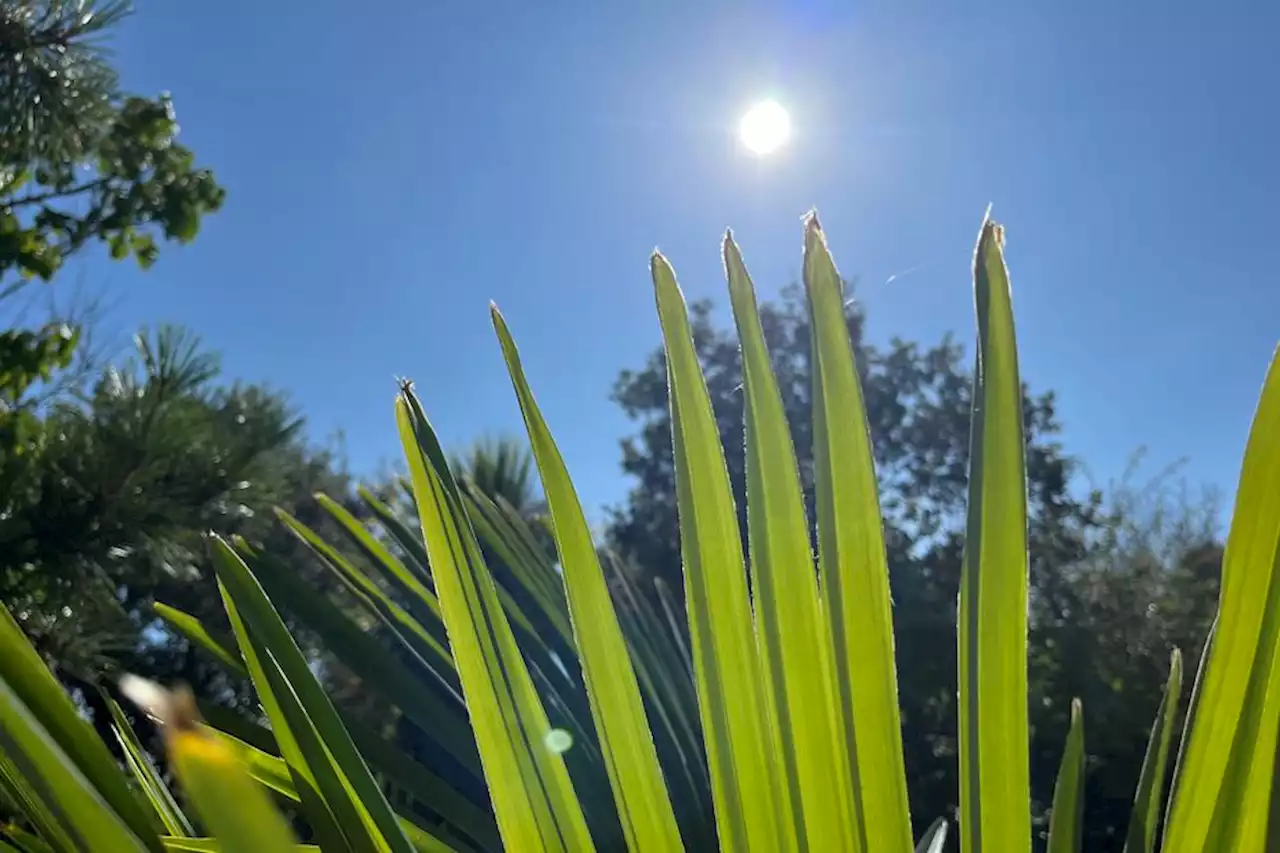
[{"x": 994, "y": 760}]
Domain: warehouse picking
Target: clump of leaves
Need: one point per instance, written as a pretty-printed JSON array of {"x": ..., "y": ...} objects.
[
  {"x": 80, "y": 163},
  {"x": 578, "y": 707},
  {"x": 79, "y": 160}
]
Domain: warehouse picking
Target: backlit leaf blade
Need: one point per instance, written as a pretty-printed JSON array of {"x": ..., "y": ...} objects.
[
  {"x": 413, "y": 628},
  {"x": 144, "y": 770},
  {"x": 500, "y": 528},
  {"x": 262, "y": 629},
  {"x": 379, "y": 555},
  {"x": 34, "y": 685},
  {"x": 21, "y": 801},
  {"x": 65, "y": 804},
  {"x": 1067, "y": 817},
  {"x": 268, "y": 770},
  {"x": 511, "y": 525},
  {"x": 442, "y": 719},
  {"x": 235, "y": 723},
  {"x": 533, "y": 798},
  {"x": 295, "y": 737},
  {"x": 1149, "y": 799},
  {"x": 853, "y": 566},
  {"x": 934, "y": 838},
  {"x": 23, "y": 841},
  {"x": 213, "y": 845},
  {"x": 667, "y": 682},
  {"x": 795, "y": 650},
  {"x": 384, "y": 756},
  {"x": 196, "y": 632},
  {"x": 410, "y": 543},
  {"x": 457, "y": 809},
  {"x": 521, "y": 572},
  {"x": 750, "y": 813},
  {"x": 677, "y": 628},
  {"x": 655, "y": 645},
  {"x": 631, "y": 761},
  {"x": 539, "y": 616},
  {"x": 419, "y": 629},
  {"x": 272, "y": 772},
  {"x": 1222, "y": 797},
  {"x": 1189, "y": 722},
  {"x": 238, "y": 813},
  {"x": 994, "y": 760}
]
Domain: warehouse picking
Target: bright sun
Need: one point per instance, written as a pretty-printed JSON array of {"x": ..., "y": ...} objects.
[{"x": 765, "y": 128}]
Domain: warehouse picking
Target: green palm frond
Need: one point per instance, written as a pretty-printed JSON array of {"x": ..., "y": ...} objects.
[{"x": 541, "y": 699}]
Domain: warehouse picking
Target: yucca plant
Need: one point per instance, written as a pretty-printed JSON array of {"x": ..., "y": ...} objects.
[{"x": 560, "y": 706}]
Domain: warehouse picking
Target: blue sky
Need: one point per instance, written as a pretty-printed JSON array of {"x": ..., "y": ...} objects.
[{"x": 390, "y": 171}]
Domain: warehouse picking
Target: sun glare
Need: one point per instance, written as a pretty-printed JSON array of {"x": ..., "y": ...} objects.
[{"x": 765, "y": 128}]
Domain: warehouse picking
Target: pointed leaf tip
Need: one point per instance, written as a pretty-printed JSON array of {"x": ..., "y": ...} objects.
[
  {"x": 1066, "y": 817},
  {"x": 934, "y": 837},
  {"x": 814, "y": 237},
  {"x": 729, "y": 250},
  {"x": 994, "y": 228},
  {"x": 992, "y": 624}
]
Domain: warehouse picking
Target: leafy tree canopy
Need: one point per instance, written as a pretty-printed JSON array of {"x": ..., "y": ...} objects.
[
  {"x": 159, "y": 451},
  {"x": 80, "y": 163},
  {"x": 79, "y": 160}
]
